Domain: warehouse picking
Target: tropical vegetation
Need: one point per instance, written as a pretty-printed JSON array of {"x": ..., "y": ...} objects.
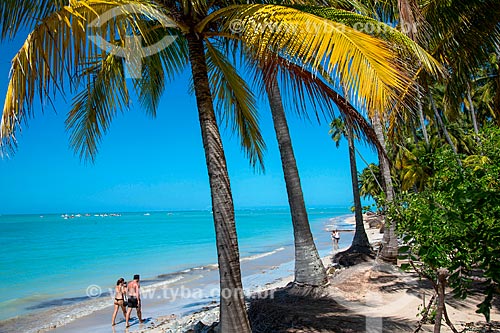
[
  {"x": 443, "y": 148},
  {"x": 422, "y": 84},
  {"x": 58, "y": 53}
]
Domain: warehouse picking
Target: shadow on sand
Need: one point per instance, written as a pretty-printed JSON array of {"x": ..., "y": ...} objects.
[{"x": 292, "y": 311}]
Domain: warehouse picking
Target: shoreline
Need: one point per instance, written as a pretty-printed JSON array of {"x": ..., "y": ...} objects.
[
  {"x": 260, "y": 271},
  {"x": 173, "y": 324},
  {"x": 372, "y": 296}
]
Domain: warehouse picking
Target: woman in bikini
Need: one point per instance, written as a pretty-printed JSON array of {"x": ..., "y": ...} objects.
[{"x": 120, "y": 291}]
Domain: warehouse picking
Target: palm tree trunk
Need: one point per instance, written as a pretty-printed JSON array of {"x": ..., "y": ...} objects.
[
  {"x": 421, "y": 117},
  {"x": 233, "y": 317},
  {"x": 389, "y": 241},
  {"x": 360, "y": 241},
  {"x": 441, "y": 124},
  {"x": 473, "y": 113},
  {"x": 309, "y": 269},
  {"x": 496, "y": 99}
]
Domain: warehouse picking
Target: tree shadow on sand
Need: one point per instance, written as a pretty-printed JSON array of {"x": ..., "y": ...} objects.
[{"x": 294, "y": 309}]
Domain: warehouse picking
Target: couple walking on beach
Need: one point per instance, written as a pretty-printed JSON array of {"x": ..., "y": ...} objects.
[{"x": 127, "y": 297}]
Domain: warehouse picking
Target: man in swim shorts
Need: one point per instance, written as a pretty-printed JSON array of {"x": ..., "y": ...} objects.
[{"x": 134, "y": 299}]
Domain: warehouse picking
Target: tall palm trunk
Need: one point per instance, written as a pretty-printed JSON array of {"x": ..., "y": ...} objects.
[
  {"x": 443, "y": 127},
  {"x": 233, "y": 317},
  {"x": 410, "y": 18},
  {"x": 421, "y": 118},
  {"x": 473, "y": 113},
  {"x": 309, "y": 268},
  {"x": 360, "y": 241},
  {"x": 496, "y": 99},
  {"x": 390, "y": 243}
]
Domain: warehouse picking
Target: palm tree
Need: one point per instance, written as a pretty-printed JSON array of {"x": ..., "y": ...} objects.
[
  {"x": 309, "y": 268},
  {"x": 57, "y": 52},
  {"x": 370, "y": 180},
  {"x": 339, "y": 128},
  {"x": 409, "y": 49}
]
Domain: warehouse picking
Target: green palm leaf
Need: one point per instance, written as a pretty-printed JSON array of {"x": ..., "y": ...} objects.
[
  {"x": 368, "y": 66},
  {"x": 161, "y": 67},
  {"x": 235, "y": 104},
  {"x": 55, "y": 52},
  {"x": 94, "y": 107},
  {"x": 15, "y": 14},
  {"x": 406, "y": 47}
]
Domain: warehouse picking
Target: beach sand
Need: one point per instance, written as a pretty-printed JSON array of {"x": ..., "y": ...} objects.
[{"x": 369, "y": 297}]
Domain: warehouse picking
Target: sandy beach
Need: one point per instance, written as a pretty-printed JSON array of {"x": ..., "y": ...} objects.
[
  {"x": 371, "y": 297},
  {"x": 371, "y": 294}
]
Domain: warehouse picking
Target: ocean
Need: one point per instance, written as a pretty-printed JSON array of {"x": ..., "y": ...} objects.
[{"x": 51, "y": 261}]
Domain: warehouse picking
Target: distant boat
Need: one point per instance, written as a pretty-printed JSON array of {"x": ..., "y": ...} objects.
[{"x": 147, "y": 214}]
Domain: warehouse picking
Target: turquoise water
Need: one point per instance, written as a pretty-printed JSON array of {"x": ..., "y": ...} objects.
[{"x": 52, "y": 259}]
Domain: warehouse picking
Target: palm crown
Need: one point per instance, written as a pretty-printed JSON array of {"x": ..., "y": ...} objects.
[{"x": 57, "y": 56}]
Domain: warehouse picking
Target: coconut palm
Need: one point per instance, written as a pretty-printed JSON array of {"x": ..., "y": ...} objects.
[
  {"x": 369, "y": 180},
  {"x": 415, "y": 55},
  {"x": 58, "y": 57},
  {"x": 339, "y": 129},
  {"x": 309, "y": 269}
]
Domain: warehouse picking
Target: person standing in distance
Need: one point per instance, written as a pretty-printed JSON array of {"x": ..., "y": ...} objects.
[
  {"x": 335, "y": 239},
  {"x": 134, "y": 299}
]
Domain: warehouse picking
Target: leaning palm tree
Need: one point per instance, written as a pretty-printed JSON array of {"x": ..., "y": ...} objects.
[
  {"x": 309, "y": 269},
  {"x": 57, "y": 56}
]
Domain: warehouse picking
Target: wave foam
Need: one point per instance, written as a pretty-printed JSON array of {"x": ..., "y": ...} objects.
[{"x": 262, "y": 255}]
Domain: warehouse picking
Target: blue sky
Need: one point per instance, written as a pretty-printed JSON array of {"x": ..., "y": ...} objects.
[{"x": 149, "y": 164}]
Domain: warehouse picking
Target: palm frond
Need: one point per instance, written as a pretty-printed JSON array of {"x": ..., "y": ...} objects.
[
  {"x": 57, "y": 49},
  {"x": 94, "y": 107},
  {"x": 235, "y": 104},
  {"x": 405, "y": 46},
  {"x": 462, "y": 28},
  {"x": 15, "y": 14},
  {"x": 42, "y": 65},
  {"x": 370, "y": 69},
  {"x": 304, "y": 83},
  {"x": 381, "y": 10},
  {"x": 151, "y": 85},
  {"x": 160, "y": 67}
]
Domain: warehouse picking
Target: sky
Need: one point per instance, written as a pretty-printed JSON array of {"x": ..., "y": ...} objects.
[{"x": 147, "y": 164}]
